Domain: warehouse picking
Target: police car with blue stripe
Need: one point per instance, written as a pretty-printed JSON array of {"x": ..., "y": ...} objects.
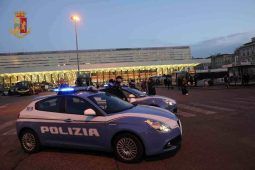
[{"x": 98, "y": 121}]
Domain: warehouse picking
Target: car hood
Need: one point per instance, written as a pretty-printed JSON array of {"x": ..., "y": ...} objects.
[
  {"x": 156, "y": 97},
  {"x": 149, "y": 112},
  {"x": 152, "y": 113}
]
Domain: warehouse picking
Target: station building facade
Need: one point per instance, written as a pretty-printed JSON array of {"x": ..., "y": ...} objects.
[{"x": 101, "y": 64}]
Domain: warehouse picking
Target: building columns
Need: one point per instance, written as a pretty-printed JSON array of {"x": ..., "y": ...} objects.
[
  {"x": 97, "y": 76},
  {"x": 103, "y": 77},
  {"x": 139, "y": 75},
  {"x": 58, "y": 78}
]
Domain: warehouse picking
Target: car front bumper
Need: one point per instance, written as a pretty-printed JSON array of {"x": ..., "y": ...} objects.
[
  {"x": 172, "y": 108},
  {"x": 157, "y": 143},
  {"x": 22, "y": 91}
]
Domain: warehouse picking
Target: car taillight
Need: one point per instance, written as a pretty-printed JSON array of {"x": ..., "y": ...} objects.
[{"x": 18, "y": 115}]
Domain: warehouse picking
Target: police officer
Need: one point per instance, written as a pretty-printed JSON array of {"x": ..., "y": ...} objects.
[
  {"x": 132, "y": 84},
  {"x": 116, "y": 89},
  {"x": 151, "y": 87}
]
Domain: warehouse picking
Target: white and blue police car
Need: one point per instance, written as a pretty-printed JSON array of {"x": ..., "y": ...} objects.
[
  {"x": 136, "y": 96},
  {"x": 98, "y": 121}
]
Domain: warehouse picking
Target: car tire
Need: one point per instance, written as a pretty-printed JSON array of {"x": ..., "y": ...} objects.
[
  {"x": 29, "y": 141},
  {"x": 128, "y": 148}
]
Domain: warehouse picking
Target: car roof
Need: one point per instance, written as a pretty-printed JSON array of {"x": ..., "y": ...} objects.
[
  {"x": 125, "y": 87},
  {"x": 85, "y": 94},
  {"x": 79, "y": 94}
]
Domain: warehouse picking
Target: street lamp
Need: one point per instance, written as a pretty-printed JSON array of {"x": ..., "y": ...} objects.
[{"x": 75, "y": 19}]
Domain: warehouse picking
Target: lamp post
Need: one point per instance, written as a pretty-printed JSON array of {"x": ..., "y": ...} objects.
[{"x": 75, "y": 19}]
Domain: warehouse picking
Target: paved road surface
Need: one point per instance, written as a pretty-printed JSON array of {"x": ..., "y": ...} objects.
[{"x": 218, "y": 126}]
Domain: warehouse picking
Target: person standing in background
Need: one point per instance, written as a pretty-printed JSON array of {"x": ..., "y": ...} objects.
[
  {"x": 226, "y": 81},
  {"x": 165, "y": 81},
  {"x": 132, "y": 84},
  {"x": 184, "y": 86},
  {"x": 168, "y": 82},
  {"x": 144, "y": 85},
  {"x": 151, "y": 87}
]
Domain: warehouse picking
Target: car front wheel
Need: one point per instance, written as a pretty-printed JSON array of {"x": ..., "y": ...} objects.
[
  {"x": 29, "y": 141},
  {"x": 128, "y": 148}
]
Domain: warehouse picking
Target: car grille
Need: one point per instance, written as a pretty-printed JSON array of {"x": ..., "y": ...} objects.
[
  {"x": 175, "y": 110},
  {"x": 175, "y": 142}
]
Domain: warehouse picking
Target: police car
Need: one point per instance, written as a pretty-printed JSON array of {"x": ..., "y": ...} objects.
[
  {"x": 98, "y": 121},
  {"x": 136, "y": 96}
]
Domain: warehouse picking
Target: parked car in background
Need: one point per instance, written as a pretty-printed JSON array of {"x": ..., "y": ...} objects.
[
  {"x": 25, "y": 88},
  {"x": 13, "y": 90},
  {"x": 46, "y": 86},
  {"x": 136, "y": 96},
  {"x": 9, "y": 90},
  {"x": 5, "y": 91}
]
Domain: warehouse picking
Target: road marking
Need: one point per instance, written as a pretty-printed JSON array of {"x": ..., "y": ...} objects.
[
  {"x": 196, "y": 109},
  {"x": 3, "y": 106},
  {"x": 235, "y": 105},
  {"x": 185, "y": 114},
  {"x": 239, "y": 102},
  {"x": 213, "y": 107},
  {"x": 10, "y": 132},
  {"x": 7, "y": 124},
  {"x": 245, "y": 99}
]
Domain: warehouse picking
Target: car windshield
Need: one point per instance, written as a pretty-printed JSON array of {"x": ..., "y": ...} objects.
[
  {"x": 22, "y": 84},
  {"x": 136, "y": 92},
  {"x": 110, "y": 104}
]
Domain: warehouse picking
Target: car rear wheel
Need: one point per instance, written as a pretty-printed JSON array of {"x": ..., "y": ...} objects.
[
  {"x": 29, "y": 141},
  {"x": 128, "y": 148}
]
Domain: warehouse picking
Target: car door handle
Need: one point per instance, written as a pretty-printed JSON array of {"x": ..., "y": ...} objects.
[{"x": 68, "y": 120}]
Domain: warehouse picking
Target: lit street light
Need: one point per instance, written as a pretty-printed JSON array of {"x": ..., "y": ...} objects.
[{"x": 75, "y": 19}]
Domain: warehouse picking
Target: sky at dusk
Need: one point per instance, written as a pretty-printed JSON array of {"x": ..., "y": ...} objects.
[{"x": 209, "y": 27}]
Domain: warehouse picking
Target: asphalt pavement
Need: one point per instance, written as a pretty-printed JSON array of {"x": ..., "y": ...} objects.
[{"x": 218, "y": 133}]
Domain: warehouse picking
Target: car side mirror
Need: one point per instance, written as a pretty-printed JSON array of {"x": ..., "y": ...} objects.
[
  {"x": 89, "y": 112},
  {"x": 131, "y": 96}
]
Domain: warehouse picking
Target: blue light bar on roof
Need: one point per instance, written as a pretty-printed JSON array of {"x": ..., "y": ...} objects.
[{"x": 67, "y": 89}]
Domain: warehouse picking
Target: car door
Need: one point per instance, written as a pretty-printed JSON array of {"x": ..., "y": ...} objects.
[
  {"x": 50, "y": 118},
  {"x": 61, "y": 121},
  {"x": 87, "y": 131}
]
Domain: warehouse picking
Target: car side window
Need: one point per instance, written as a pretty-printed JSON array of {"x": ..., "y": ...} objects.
[
  {"x": 75, "y": 105},
  {"x": 49, "y": 105}
]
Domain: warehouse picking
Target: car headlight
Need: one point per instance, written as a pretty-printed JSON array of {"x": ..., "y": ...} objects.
[
  {"x": 159, "y": 126},
  {"x": 170, "y": 102}
]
